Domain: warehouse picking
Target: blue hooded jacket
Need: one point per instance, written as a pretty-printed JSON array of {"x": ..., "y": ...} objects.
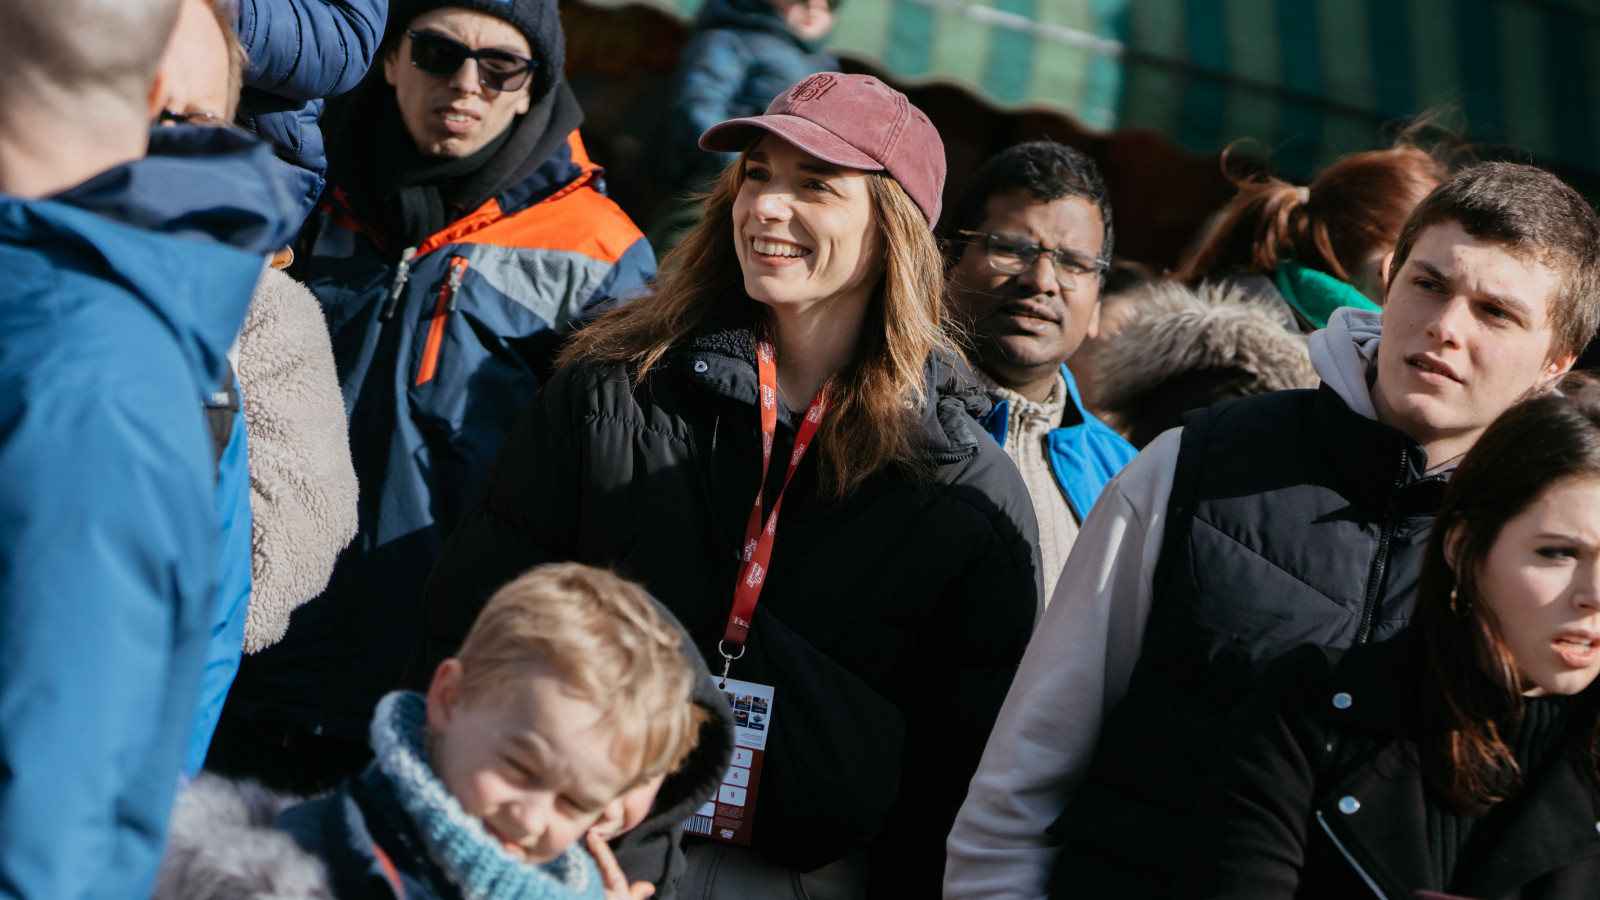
[
  {"x": 301, "y": 52},
  {"x": 741, "y": 56},
  {"x": 121, "y": 298}
]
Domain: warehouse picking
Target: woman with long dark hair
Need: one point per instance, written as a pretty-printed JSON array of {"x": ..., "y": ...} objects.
[
  {"x": 1460, "y": 756},
  {"x": 792, "y": 361},
  {"x": 1316, "y": 248}
]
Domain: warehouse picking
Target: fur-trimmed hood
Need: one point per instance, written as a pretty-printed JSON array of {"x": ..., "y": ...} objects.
[
  {"x": 1180, "y": 331},
  {"x": 222, "y": 846}
]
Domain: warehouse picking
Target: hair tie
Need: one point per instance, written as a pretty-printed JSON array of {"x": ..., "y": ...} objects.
[{"x": 1305, "y": 195}]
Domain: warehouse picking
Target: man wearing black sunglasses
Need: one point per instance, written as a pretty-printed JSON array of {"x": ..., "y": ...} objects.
[
  {"x": 1026, "y": 246},
  {"x": 464, "y": 230},
  {"x": 456, "y": 97}
]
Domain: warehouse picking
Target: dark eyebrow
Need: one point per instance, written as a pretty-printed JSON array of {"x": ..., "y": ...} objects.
[
  {"x": 756, "y": 156},
  {"x": 819, "y": 168},
  {"x": 1509, "y": 301},
  {"x": 1431, "y": 270}
]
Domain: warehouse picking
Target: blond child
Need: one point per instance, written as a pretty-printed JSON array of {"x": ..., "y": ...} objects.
[{"x": 569, "y": 703}]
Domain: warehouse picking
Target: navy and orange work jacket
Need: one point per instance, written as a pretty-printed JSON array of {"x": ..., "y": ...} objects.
[{"x": 437, "y": 356}]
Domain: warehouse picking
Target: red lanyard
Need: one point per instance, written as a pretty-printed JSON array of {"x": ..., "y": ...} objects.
[{"x": 758, "y": 540}]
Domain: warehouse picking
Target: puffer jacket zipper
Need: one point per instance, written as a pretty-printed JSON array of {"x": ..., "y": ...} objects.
[
  {"x": 1349, "y": 858},
  {"x": 441, "y": 316},
  {"x": 402, "y": 272},
  {"x": 1380, "y": 559}
]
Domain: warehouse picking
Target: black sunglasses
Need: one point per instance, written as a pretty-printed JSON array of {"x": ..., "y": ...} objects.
[{"x": 439, "y": 55}]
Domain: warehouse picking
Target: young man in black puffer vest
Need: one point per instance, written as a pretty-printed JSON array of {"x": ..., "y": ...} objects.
[{"x": 1262, "y": 524}]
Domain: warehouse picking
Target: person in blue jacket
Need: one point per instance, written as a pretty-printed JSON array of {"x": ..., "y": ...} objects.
[
  {"x": 743, "y": 53},
  {"x": 465, "y": 232},
  {"x": 298, "y": 53},
  {"x": 127, "y": 278},
  {"x": 1027, "y": 245}
]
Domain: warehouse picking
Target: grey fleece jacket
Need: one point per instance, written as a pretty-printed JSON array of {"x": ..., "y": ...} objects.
[{"x": 302, "y": 483}]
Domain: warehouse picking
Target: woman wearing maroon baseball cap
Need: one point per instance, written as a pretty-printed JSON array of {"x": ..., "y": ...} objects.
[{"x": 792, "y": 360}]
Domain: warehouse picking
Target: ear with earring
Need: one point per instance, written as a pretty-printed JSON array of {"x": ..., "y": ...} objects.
[{"x": 1457, "y": 608}]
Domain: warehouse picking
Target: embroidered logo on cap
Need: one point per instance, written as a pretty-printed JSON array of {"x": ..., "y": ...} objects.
[{"x": 813, "y": 87}]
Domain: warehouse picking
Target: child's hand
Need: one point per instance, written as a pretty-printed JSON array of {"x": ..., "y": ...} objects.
[{"x": 611, "y": 877}]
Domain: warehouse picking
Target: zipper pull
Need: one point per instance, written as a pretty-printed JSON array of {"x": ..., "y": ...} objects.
[
  {"x": 401, "y": 273},
  {"x": 454, "y": 284}
]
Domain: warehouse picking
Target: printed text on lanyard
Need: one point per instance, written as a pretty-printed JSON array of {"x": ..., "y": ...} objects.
[{"x": 758, "y": 539}]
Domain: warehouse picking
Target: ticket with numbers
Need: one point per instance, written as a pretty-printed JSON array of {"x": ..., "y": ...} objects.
[{"x": 730, "y": 816}]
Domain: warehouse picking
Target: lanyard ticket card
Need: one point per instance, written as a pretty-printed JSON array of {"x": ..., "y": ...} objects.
[
  {"x": 731, "y": 815},
  {"x": 758, "y": 540}
]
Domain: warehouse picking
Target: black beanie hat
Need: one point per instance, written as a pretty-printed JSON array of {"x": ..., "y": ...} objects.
[{"x": 538, "y": 20}]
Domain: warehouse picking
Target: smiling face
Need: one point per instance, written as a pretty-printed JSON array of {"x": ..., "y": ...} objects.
[
  {"x": 804, "y": 230},
  {"x": 1541, "y": 579},
  {"x": 454, "y": 115},
  {"x": 1466, "y": 333},
  {"x": 535, "y": 767},
  {"x": 1025, "y": 325}
]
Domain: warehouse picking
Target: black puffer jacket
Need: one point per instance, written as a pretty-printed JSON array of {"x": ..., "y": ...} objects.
[
  {"x": 891, "y": 623},
  {"x": 1319, "y": 795}
]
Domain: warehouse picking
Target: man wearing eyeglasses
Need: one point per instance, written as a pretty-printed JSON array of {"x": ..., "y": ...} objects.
[
  {"x": 464, "y": 229},
  {"x": 1027, "y": 246}
]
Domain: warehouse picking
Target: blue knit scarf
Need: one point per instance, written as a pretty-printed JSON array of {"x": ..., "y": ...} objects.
[{"x": 456, "y": 842}]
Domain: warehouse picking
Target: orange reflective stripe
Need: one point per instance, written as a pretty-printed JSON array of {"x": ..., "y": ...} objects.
[
  {"x": 390, "y": 872},
  {"x": 430, "y": 351}
]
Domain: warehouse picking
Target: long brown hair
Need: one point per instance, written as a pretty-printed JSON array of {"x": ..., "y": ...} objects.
[
  {"x": 1351, "y": 210},
  {"x": 1470, "y": 684},
  {"x": 874, "y": 418}
]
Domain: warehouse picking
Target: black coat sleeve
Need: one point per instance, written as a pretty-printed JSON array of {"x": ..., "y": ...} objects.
[
  {"x": 1250, "y": 835},
  {"x": 527, "y": 514},
  {"x": 965, "y": 661}
]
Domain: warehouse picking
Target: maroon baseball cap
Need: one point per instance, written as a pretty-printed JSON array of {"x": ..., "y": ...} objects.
[{"x": 850, "y": 120}]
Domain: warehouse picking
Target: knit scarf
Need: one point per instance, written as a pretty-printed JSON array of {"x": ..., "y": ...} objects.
[
  {"x": 467, "y": 856},
  {"x": 1315, "y": 295}
]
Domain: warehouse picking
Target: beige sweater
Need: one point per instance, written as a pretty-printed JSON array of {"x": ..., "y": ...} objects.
[
  {"x": 302, "y": 483},
  {"x": 1028, "y": 428}
]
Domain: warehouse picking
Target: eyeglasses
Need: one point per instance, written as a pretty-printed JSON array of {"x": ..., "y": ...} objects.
[
  {"x": 497, "y": 69},
  {"x": 203, "y": 119},
  {"x": 1011, "y": 254}
]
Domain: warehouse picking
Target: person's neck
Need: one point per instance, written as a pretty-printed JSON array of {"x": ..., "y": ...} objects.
[
  {"x": 1442, "y": 449},
  {"x": 1035, "y": 383},
  {"x": 814, "y": 344},
  {"x": 1447, "y": 452},
  {"x": 42, "y": 154}
]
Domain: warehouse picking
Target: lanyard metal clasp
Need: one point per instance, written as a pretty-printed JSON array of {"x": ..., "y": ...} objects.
[{"x": 727, "y": 661}]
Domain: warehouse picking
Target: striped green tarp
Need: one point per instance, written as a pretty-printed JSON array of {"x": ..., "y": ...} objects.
[{"x": 1308, "y": 79}]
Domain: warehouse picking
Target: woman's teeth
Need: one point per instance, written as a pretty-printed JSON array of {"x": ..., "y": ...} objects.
[
  {"x": 776, "y": 248},
  {"x": 457, "y": 117}
]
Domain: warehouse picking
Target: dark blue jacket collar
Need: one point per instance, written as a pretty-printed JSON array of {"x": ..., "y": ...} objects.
[
  {"x": 214, "y": 185},
  {"x": 186, "y": 230}
]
